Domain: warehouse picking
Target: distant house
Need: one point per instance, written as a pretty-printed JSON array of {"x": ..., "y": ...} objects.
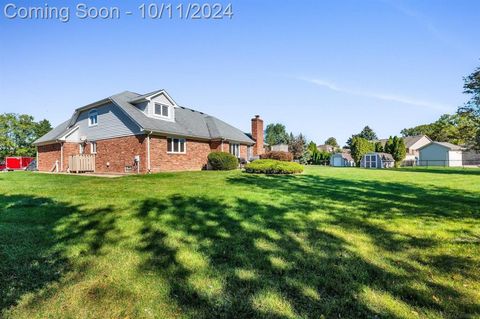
[
  {"x": 279, "y": 148},
  {"x": 326, "y": 148},
  {"x": 440, "y": 154},
  {"x": 377, "y": 160},
  {"x": 342, "y": 160},
  {"x": 412, "y": 145},
  {"x": 129, "y": 132}
]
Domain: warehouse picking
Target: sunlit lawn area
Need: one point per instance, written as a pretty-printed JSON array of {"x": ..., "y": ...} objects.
[{"x": 332, "y": 242}]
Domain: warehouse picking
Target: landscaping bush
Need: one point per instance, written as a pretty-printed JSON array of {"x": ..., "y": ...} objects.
[
  {"x": 269, "y": 166},
  {"x": 222, "y": 161},
  {"x": 278, "y": 155}
]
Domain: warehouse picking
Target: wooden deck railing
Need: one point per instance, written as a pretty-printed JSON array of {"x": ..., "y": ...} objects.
[{"x": 81, "y": 163}]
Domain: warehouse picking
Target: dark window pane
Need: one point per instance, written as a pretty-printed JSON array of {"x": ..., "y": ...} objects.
[
  {"x": 169, "y": 145},
  {"x": 175, "y": 145},
  {"x": 182, "y": 145},
  {"x": 158, "y": 109},
  {"x": 164, "y": 110}
]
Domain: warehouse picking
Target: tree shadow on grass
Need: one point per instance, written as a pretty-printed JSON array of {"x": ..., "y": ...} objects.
[
  {"x": 34, "y": 235},
  {"x": 439, "y": 170},
  {"x": 248, "y": 258}
]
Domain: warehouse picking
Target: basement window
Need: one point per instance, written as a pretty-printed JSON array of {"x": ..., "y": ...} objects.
[{"x": 176, "y": 145}]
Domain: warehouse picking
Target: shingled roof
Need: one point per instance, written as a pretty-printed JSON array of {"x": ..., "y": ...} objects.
[
  {"x": 409, "y": 140},
  {"x": 188, "y": 122}
]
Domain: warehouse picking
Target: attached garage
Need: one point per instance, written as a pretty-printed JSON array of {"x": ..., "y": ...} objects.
[{"x": 440, "y": 154}]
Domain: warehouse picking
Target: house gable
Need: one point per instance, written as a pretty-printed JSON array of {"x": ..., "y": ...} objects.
[
  {"x": 111, "y": 122},
  {"x": 424, "y": 140},
  {"x": 151, "y": 104}
]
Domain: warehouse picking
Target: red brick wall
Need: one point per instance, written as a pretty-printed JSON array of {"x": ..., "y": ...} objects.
[
  {"x": 47, "y": 156},
  {"x": 120, "y": 152},
  {"x": 195, "y": 157}
]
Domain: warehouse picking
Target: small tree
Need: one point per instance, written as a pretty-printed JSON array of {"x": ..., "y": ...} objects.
[
  {"x": 388, "y": 148},
  {"x": 360, "y": 147},
  {"x": 399, "y": 150},
  {"x": 297, "y": 146},
  {"x": 332, "y": 141}
]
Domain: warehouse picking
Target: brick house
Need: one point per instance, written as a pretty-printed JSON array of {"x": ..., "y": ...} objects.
[{"x": 129, "y": 132}]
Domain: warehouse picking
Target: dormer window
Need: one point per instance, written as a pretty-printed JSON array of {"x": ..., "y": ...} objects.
[
  {"x": 92, "y": 118},
  {"x": 161, "y": 110}
]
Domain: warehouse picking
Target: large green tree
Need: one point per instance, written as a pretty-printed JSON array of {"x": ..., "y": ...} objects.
[
  {"x": 332, "y": 141},
  {"x": 459, "y": 128},
  {"x": 366, "y": 133},
  {"x": 276, "y": 133},
  {"x": 462, "y": 128},
  {"x": 17, "y": 133},
  {"x": 471, "y": 109},
  {"x": 360, "y": 146}
]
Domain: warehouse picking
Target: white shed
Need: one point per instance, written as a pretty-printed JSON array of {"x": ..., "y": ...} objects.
[
  {"x": 377, "y": 160},
  {"x": 440, "y": 154},
  {"x": 342, "y": 160}
]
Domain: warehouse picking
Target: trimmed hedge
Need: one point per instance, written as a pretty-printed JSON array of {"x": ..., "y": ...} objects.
[
  {"x": 269, "y": 166},
  {"x": 278, "y": 155},
  {"x": 222, "y": 161}
]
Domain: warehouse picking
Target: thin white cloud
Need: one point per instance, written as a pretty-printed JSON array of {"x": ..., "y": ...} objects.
[
  {"x": 377, "y": 95},
  {"x": 421, "y": 18}
]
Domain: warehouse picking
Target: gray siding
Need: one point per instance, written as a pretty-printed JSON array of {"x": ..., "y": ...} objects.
[{"x": 112, "y": 122}]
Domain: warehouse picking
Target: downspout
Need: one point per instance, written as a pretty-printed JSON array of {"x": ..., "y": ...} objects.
[
  {"x": 149, "y": 167},
  {"x": 36, "y": 157},
  {"x": 61, "y": 157}
]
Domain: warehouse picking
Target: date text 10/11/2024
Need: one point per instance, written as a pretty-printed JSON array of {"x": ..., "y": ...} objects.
[{"x": 144, "y": 11}]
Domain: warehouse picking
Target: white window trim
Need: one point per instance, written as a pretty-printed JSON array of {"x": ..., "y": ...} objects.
[
  {"x": 237, "y": 147},
  {"x": 177, "y": 138},
  {"x": 89, "y": 118},
  {"x": 154, "y": 104},
  {"x": 91, "y": 147}
]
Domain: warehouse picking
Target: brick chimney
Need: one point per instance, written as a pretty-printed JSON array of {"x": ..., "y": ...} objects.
[{"x": 257, "y": 135}]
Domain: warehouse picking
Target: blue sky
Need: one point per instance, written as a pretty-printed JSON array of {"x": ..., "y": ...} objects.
[{"x": 323, "y": 68}]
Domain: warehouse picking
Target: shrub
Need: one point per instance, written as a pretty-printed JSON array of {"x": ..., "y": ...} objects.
[
  {"x": 222, "y": 161},
  {"x": 269, "y": 166},
  {"x": 278, "y": 155}
]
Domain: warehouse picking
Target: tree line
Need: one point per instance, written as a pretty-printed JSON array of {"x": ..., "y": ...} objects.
[
  {"x": 18, "y": 132},
  {"x": 461, "y": 128}
]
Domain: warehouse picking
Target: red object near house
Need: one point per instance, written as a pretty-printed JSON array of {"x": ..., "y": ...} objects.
[{"x": 17, "y": 162}]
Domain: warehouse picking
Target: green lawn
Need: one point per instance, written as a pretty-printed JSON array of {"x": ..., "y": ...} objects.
[{"x": 332, "y": 242}]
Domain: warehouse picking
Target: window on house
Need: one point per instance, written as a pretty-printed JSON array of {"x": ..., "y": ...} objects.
[
  {"x": 92, "y": 118},
  {"x": 176, "y": 145},
  {"x": 81, "y": 149},
  {"x": 161, "y": 109},
  {"x": 93, "y": 147},
  {"x": 235, "y": 149}
]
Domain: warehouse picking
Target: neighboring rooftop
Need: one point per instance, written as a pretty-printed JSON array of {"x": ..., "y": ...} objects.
[
  {"x": 450, "y": 146},
  {"x": 409, "y": 140}
]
